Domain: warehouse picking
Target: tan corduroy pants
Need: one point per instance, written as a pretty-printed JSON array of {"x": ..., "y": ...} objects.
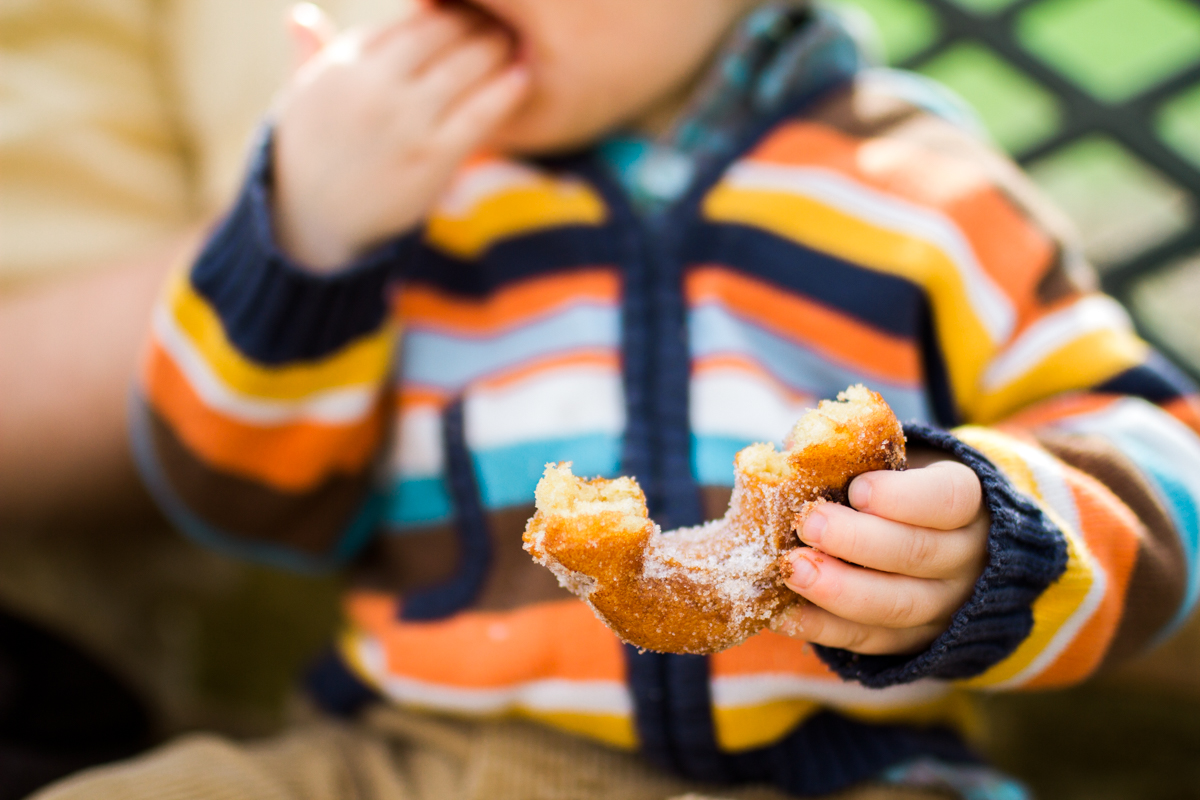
[{"x": 398, "y": 755}]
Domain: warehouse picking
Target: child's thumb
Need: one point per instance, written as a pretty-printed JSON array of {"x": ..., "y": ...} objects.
[{"x": 311, "y": 29}]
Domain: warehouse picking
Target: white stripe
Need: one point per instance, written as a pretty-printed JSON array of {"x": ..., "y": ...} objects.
[
  {"x": 1057, "y": 494},
  {"x": 752, "y": 690},
  {"x": 1052, "y": 333},
  {"x": 742, "y": 405},
  {"x": 568, "y": 401},
  {"x": 546, "y": 696},
  {"x": 417, "y": 449},
  {"x": 333, "y": 407},
  {"x": 991, "y": 306}
]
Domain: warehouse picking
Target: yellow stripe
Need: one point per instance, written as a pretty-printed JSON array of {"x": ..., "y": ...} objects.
[
  {"x": 747, "y": 727},
  {"x": 364, "y": 362},
  {"x": 1084, "y": 362},
  {"x": 1062, "y": 598},
  {"x": 801, "y": 219},
  {"x": 612, "y": 729},
  {"x": 508, "y": 213}
]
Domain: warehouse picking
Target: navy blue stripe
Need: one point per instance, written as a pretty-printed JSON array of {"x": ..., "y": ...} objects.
[
  {"x": 335, "y": 689},
  {"x": 274, "y": 311},
  {"x": 885, "y": 302},
  {"x": 937, "y": 376},
  {"x": 475, "y": 541},
  {"x": 542, "y": 252},
  {"x": 1157, "y": 380}
]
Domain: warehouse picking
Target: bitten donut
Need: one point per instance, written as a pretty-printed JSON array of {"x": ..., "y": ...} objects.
[{"x": 703, "y": 589}]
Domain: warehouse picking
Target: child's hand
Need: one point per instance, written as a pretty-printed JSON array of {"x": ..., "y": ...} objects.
[
  {"x": 919, "y": 538},
  {"x": 374, "y": 125}
]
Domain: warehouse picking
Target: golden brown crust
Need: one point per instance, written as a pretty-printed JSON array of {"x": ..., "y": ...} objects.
[{"x": 701, "y": 590}]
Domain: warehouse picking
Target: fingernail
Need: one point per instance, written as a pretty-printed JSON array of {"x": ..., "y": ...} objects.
[
  {"x": 813, "y": 528},
  {"x": 860, "y": 493},
  {"x": 804, "y": 572}
]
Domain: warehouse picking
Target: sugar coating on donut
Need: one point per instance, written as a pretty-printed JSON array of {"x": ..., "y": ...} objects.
[{"x": 706, "y": 588}]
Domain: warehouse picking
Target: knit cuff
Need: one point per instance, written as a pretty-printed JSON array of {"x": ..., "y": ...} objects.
[
  {"x": 274, "y": 310},
  {"x": 1026, "y": 553}
]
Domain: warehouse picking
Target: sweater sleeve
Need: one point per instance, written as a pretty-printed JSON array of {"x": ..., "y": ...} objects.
[
  {"x": 261, "y": 400},
  {"x": 1086, "y": 441}
]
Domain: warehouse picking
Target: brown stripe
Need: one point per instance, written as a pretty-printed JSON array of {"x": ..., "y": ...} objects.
[
  {"x": 714, "y": 501},
  {"x": 864, "y": 112},
  {"x": 409, "y": 560},
  {"x": 515, "y": 579},
  {"x": 1157, "y": 585},
  {"x": 311, "y": 522},
  {"x": 403, "y": 562}
]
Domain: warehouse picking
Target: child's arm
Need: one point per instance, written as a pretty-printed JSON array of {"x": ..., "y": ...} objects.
[
  {"x": 1090, "y": 481},
  {"x": 263, "y": 398}
]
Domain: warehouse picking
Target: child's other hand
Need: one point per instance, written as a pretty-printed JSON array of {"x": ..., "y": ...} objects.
[
  {"x": 375, "y": 123},
  {"x": 886, "y": 576}
]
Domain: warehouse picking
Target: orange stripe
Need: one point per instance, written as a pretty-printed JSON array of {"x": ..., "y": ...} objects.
[
  {"x": 1059, "y": 408},
  {"x": 431, "y": 309},
  {"x": 1112, "y": 534},
  {"x": 770, "y": 652},
  {"x": 1186, "y": 410},
  {"x": 411, "y": 396},
  {"x": 579, "y": 358},
  {"x": 817, "y": 327},
  {"x": 1013, "y": 250},
  {"x": 291, "y": 458},
  {"x": 561, "y": 639}
]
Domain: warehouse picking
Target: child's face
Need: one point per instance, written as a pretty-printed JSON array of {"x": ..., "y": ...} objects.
[{"x": 599, "y": 64}]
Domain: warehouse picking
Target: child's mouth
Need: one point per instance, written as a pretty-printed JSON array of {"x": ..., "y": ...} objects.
[{"x": 489, "y": 15}]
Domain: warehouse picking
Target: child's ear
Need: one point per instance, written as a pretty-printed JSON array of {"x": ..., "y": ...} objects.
[{"x": 311, "y": 29}]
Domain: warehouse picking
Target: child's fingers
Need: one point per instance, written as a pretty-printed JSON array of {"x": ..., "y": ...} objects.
[
  {"x": 868, "y": 596},
  {"x": 813, "y": 624},
  {"x": 888, "y": 546},
  {"x": 461, "y": 70},
  {"x": 944, "y": 495},
  {"x": 412, "y": 44},
  {"x": 468, "y": 124},
  {"x": 311, "y": 29}
]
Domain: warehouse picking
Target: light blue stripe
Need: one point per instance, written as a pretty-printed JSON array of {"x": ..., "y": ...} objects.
[
  {"x": 712, "y": 459},
  {"x": 355, "y": 536},
  {"x": 508, "y": 475},
  {"x": 418, "y": 502},
  {"x": 716, "y": 331},
  {"x": 450, "y": 362}
]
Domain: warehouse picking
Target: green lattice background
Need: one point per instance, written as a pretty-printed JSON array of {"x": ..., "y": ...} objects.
[{"x": 1100, "y": 101}]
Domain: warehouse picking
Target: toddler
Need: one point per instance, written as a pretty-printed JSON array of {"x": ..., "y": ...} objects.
[{"x": 639, "y": 236}]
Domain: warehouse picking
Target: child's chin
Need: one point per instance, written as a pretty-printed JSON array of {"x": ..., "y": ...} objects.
[{"x": 533, "y": 135}]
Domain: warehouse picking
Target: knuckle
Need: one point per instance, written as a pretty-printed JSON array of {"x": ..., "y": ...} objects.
[
  {"x": 920, "y": 549},
  {"x": 900, "y": 610},
  {"x": 858, "y": 637}
]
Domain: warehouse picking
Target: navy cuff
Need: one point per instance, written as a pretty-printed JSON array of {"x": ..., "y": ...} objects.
[
  {"x": 1026, "y": 553},
  {"x": 273, "y": 309}
]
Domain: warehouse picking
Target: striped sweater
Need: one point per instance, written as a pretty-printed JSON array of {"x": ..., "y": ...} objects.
[{"x": 396, "y": 417}]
